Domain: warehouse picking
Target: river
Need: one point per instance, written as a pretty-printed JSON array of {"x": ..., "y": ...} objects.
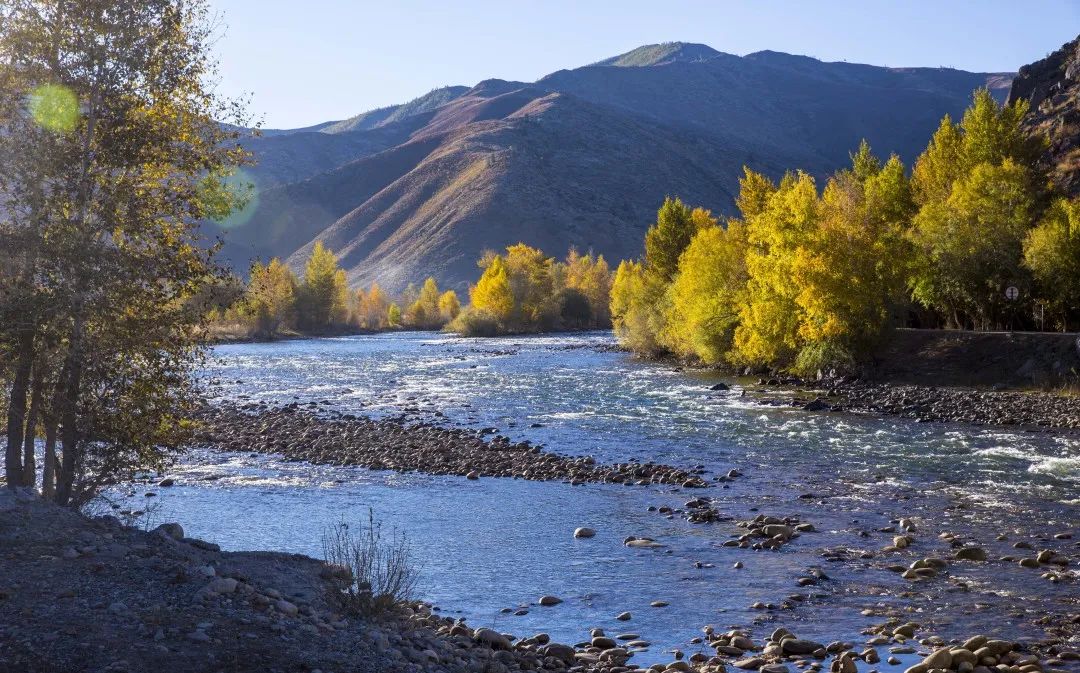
[{"x": 493, "y": 544}]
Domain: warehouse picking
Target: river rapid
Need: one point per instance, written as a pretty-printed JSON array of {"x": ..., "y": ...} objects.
[{"x": 492, "y": 545}]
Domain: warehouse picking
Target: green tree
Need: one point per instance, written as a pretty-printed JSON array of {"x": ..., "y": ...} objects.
[
  {"x": 1052, "y": 253},
  {"x": 666, "y": 240},
  {"x": 393, "y": 316},
  {"x": 969, "y": 247},
  {"x": 323, "y": 300}
]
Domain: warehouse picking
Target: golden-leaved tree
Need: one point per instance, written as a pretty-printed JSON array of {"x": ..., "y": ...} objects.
[{"x": 270, "y": 298}]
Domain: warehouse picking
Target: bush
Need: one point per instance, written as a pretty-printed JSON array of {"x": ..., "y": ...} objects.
[
  {"x": 825, "y": 358},
  {"x": 475, "y": 323},
  {"x": 377, "y": 573}
]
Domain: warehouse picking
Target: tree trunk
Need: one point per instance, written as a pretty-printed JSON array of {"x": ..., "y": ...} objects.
[
  {"x": 69, "y": 416},
  {"x": 48, "y": 473},
  {"x": 16, "y": 417},
  {"x": 30, "y": 435}
]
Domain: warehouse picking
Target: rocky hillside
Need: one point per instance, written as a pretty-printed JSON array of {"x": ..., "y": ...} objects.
[
  {"x": 1053, "y": 87},
  {"x": 581, "y": 157}
]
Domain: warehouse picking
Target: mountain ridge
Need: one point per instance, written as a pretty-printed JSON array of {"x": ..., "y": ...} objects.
[{"x": 581, "y": 157}]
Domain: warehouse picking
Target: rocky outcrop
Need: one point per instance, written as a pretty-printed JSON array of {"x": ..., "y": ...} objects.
[{"x": 1052, "y": 86}]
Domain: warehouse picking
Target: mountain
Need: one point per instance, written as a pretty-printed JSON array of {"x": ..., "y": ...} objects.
[
  {"x": 581, "y": 157},
  {"x": 1052, "y": 86}
]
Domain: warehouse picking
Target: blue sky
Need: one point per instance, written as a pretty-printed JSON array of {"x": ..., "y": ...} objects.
[{"x": 311, "y": 61}]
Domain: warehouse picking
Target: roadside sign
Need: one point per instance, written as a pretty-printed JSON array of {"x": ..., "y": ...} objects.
[{"x": 1012, "y": 292}]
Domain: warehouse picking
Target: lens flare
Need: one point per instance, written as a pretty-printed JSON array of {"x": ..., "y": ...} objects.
[
  {"x": 55, "y": 107},
  {"x": 231, "y": 200}
]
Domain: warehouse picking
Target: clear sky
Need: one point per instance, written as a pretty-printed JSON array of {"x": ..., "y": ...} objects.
[{"x": 309, "y": 61}]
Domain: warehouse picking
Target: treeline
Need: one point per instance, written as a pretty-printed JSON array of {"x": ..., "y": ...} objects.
[
  {"x": 275, "y": 302},
  {"x": 112, "y": 150},
  {"x": 810, "y": 279},
  {"x": 524, "y": 290}
]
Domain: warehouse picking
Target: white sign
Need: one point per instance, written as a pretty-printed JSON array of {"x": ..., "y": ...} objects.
[{"x": 1012, "y": 292}]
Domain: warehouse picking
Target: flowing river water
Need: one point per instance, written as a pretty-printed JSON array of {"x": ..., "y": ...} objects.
[{"x": 495, "y": 544}]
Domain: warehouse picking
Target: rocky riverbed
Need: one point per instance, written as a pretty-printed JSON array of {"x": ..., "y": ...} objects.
[{"x": 300, "y": 433}]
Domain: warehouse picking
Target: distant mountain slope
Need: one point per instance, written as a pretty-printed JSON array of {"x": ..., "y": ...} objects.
[
  {"x": 557, "y": 172},
  {"x": 780, "y": 99},
  {"x": 1052, "y": 85},
  {"x": 582, "y": 157}
]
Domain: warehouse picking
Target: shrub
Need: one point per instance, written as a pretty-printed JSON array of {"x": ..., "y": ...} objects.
[
  {"x": 475, "y": 323},
  {"x": 377, "y": 573}
]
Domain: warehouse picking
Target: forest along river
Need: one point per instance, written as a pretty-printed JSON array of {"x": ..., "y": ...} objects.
[{"x": 497, "y": 544}]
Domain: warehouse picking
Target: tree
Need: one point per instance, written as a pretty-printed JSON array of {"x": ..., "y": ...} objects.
[
  {"x": 637, "y": 308},
  {"x": 1052, "y": 253},
  {"x": 102, "y": 187},
  {"x": 393, "y": 316},
  {"x": 323, "y": 298},
  {"x": 372, "y": 307},
  {"x": 492, "y": 293},
  {"x": 592, "y": 278},
  {"x": 940, "y": 165},
  {"x": 665, "y": 241},
  {"x": 449, "y": 306},
  {"x": 530, "y": 273},
  {"x": 424, "y": 312},
  {"x": 970, "y": 246},
  {"x": 270, "y": 298},
  {"x": 705, "y": 296},
  {"x": 769, "y": 318}
]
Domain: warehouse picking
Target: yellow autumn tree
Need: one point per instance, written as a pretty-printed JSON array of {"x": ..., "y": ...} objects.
[
  {"x": 769, "y": 317},
  {"x": 371, "y": 307},
  {"x": 423, "y": 312},
  {"x": 705, "y": 296},
  {"x": 592, "y": 278},
  {"x": 449, "y": 306},
  {"x": 492, "y": 294},
  {"x": 270, "y": 297},
  {"x": 851, "y": 268}
]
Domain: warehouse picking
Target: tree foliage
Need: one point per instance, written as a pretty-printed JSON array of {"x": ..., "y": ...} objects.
[
  {"x": 111, "y": 144},
  {"x": 323, "y": 302},
  {"x": 524, "y": 290}
]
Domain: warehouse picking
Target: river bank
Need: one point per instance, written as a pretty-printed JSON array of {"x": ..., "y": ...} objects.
[{"x": 1025, "y": 409}]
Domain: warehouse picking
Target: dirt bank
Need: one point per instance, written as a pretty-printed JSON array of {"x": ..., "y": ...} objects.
[{"x": 981, "y": 359}]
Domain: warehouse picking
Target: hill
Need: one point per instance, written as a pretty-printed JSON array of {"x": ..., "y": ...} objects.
[
  {"x": 1052, "y": 85},
  {"x": 581, "y": 157}
]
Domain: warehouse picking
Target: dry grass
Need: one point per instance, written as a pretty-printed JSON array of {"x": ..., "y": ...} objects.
[{"x": 378, "y": 573}]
